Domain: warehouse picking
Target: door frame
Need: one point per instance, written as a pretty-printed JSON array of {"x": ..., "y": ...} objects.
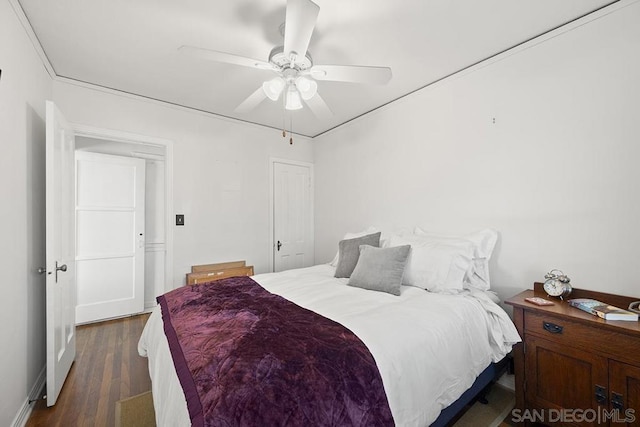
[
  {"x": 272, "y": 161},
  {"x": 131, "y": 138}
]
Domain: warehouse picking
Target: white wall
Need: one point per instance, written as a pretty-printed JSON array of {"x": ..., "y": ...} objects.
[
  {"x": 24, "y": 87},
  {"x": 557, "y": 174},
  {"x": 220, "y": 170}
]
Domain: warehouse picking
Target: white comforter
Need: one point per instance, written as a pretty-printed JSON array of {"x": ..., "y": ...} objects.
[{"x": 429, "y": 347}]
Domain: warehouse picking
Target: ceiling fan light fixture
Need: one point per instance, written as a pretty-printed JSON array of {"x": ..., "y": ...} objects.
[
  {"x": 273, "y": 88},
  {"x": 293, "y": 101},
  {"x": 307, "y": 87}
]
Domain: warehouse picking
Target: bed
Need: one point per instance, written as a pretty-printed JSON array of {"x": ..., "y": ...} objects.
[{"x": 429, "y": 347}]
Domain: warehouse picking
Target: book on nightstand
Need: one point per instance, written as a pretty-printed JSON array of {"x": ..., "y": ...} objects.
[{"x": 603, "y": 310}]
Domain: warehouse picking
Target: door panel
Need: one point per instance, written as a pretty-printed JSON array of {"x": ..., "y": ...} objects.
[
  {"x": 107, "y": 180},
  {"x": 106, "y": 280},
  {"x": 293, "y": 221},
  {"x": 155, "y": 223},
  {"x": 564, "y": 377},
  {"x": 153, "y": 273},
  {"x": 105, "y": 232},
  {"x": 60, "y": 248},
  {"x": 110, "y": 206},
  {"x": 625, "y": 393},
  {"x": 154, "y": 202}
]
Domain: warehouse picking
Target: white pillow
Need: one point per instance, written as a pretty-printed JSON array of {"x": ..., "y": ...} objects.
[
  {"x": 438, "y": 266},
  {"x": 348, "y": 236},
  {"x": 483, "y": 241}
]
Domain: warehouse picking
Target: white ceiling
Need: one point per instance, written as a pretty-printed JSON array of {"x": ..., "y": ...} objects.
[{"x": 132, "y": 46}]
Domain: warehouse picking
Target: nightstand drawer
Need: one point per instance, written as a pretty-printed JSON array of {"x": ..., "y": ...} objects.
[{"x": 579, "y": 335}]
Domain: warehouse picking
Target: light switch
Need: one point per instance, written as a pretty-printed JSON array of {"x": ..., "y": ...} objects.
[{"x": 180, "y": 219}]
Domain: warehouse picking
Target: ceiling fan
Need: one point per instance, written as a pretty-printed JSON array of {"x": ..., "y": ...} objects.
[{"x": 293, "y": 64}]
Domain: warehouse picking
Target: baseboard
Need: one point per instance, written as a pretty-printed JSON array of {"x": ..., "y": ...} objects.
[{"x": 36, "y": 391}]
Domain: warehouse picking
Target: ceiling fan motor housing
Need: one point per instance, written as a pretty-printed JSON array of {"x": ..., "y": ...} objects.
[{"x": 278, "y": 58}]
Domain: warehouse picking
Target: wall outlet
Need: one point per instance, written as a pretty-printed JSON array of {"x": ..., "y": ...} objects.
[{"x": 180, "y": 219}]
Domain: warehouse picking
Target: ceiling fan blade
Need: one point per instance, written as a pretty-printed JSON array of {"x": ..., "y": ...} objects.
[
  {"x": 227, "y": 58},
  {"x": 252, "y": 101},
  {"x": 299, "y": 22},
  {"x": 319, "y": 107},
  {"x": 351, "y": 73}
]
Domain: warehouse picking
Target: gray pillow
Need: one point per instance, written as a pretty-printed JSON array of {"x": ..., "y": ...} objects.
[
  {"x": 349, "y": 252},
  {"x": 380, "y": 269}
]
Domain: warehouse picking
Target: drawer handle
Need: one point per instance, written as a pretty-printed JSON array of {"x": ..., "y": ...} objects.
[
  {"x": 601, "y": 395},
  {"x": 617, "y": 401},
  {"x": 552, "y": 327}
]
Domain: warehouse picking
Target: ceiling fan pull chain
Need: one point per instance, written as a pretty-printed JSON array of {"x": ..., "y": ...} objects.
[
  {"x": 284, "y": 119},
  {"x": 291, "y": 129}
]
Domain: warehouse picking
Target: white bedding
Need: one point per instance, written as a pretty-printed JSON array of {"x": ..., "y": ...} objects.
[{"x": 429, "y": 347}]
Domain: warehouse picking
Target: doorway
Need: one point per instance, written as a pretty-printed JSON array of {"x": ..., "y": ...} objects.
[
  {"x": 157, "y": 155},
  {"x": 292, "y": 214}
]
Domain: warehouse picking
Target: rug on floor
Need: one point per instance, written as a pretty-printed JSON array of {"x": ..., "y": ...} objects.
[{"x": 136, "y": 411}]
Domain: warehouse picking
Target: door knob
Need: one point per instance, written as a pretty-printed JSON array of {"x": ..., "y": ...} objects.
[
  {"x": 62, "y": 268},
  {"x": 279, "y": 245}
]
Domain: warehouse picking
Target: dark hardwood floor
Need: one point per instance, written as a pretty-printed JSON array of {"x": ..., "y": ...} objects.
[{"x": 107, "y": 369}]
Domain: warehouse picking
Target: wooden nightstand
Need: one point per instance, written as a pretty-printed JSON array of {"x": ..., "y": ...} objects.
[
  {"x": 574, "y": 365},
  {"x": 213, "y": 272}
]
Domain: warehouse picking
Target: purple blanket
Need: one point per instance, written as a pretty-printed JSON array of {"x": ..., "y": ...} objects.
[{"x": 246, "y": 357}]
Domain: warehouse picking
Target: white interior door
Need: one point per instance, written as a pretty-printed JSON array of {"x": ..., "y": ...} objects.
[
  {"x": 110, "y": 252},
  {"x": 292, "y": 216},
  {"x": 60, "y": 248}
]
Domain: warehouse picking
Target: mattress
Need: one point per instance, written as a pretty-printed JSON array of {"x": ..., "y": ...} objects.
[{"x": 429, "y": 348}]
